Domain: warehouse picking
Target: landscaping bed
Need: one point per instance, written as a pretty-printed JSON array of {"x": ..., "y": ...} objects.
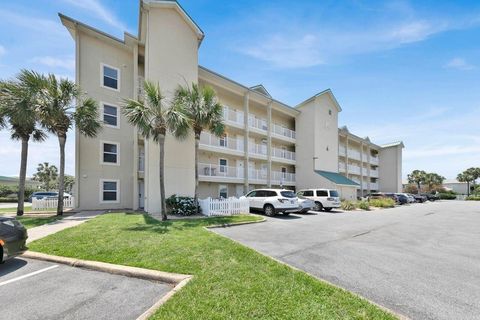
[{"x": 230, "y": 281}]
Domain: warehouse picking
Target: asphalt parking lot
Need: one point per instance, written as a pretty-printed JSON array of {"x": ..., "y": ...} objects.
[
  {"x": 420, "y": 260},
  {"x": 32, "y": 289}
]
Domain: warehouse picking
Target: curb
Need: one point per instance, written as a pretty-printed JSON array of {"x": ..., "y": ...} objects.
[{"x": 134, "y": 272}]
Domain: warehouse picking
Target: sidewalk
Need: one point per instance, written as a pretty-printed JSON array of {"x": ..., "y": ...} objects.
[{"x": 68, "y": 222}]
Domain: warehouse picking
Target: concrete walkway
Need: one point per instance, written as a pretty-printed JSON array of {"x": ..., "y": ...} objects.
[{"x": 68, "y": 222}]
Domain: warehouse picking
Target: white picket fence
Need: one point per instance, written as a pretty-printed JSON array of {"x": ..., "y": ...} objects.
[
  {"x": 224, "y": 207},
  {"x": 42, "y": 204}
]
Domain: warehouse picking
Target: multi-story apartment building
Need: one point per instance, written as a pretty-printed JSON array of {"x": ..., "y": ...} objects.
[{"x": 266, "y": 143}]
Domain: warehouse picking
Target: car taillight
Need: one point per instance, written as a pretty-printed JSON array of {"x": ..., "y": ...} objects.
[{"x": 330, "y": 199}]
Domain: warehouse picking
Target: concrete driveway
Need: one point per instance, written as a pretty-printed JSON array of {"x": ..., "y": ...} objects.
[
  {"x": 33, "y": 289},
  {"x": 421, "y": 260}
]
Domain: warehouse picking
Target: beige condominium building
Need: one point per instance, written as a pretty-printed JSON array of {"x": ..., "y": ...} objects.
[{"x": 267, "y": 143}]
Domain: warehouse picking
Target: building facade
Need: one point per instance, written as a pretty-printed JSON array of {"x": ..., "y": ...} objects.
[{"x": 266, "y": 144}]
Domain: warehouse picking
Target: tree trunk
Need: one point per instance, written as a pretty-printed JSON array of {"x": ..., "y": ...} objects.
[
  {"x": 197, "y": 142},
  {"x": 23, "y": 174},
  {"x": 62, "y": 139},
  {"x": 162, "y": 177}
]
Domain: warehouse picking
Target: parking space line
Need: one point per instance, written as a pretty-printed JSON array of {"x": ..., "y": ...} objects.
[{"x": 28, "y": 275}]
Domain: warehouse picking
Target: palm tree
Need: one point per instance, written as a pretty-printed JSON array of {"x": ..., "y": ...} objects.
[
  {"x": 417, "y": 177},
  {"x": 204, "y": 112},
  {"x": 58, "y": 115},
  {"x": 154, "y": 120},
  {"x": 18, "y": 101}
]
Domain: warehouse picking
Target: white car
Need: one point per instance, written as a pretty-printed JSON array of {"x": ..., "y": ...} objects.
[
  {"x": 272, "y": 201},
  {"x": 325, "y": 199}
]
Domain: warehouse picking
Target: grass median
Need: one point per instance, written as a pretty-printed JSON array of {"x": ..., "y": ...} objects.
[{"x": 230, "y": 281}]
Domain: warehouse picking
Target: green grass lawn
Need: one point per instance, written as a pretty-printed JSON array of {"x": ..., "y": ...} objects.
[{"x": 230, "y": 281}]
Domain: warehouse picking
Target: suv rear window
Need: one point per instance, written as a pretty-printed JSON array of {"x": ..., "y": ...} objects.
[
  {"x": 333, "y": 193},
  {"x": 287, "y": 194},
  {"x": 322, "y": 193}
]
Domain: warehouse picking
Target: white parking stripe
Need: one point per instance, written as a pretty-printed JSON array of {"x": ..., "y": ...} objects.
[{"x": 28, "y": 275}]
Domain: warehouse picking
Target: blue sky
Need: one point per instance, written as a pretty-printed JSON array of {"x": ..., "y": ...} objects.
[{"x": 401, "y": 70}]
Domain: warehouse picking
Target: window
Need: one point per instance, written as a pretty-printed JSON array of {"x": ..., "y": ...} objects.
[
  {"x": 223, "y": 165},
  {"x": 223, "y": 141},
  {"x": 110, "y": 115},
  {"x": 322, "y": 193},
  {"x": 109, "y": 190},
  {"x": 223, "y": 191},
  {"x": 308, "y": 193},
  {"x": 110, "y": 152},
  {"x": 110, "y": 77}
]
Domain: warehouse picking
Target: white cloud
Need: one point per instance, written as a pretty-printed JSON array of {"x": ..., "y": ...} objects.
[
  {"x": 460, "y": 64},
  {"x": 95, "y": 7},
  {"x": 49, "y": 61}
]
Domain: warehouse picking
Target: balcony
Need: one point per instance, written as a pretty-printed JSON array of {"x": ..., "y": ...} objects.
[
  {"x": 216, "y": 172},
  {"x": 258, "y": 124},
  {"x": 279, "y": 131},
  {"x": 225, "y": 144},
  {"x": 233, "y": 117},
  {"x": 283, "y": 155},
  {"x": 353, "y": 169},
  {"x": 354, "y": 154},
  {"x": 283, "y": 178},
  {"x": 374, "y": 160},
  {"x": 342, "y": 167}
]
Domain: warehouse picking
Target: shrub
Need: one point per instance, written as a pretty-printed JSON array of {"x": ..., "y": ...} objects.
[
  {"x": 364, "y": 205},
  {"x": 473, "y": 198},
  {"x": 183, "y": 206},
  {"x": 382, "y": 203},
  {"x": 348, "y": 205},
  {"x": 447, "y": 195}
]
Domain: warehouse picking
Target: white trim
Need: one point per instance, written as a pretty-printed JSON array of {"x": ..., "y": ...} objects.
[
  {"x": 102, "y": 142},
  {"x": 222, "y": 186},
  {"x": 101, "y": 191},
  {"x": 118, "y": 79},
  {"x": 103, "y": 103}
]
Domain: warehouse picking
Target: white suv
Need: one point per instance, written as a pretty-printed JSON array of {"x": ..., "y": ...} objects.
[
  {"x": 272, "y": 201},
  {"x": 325, "y": 199}
]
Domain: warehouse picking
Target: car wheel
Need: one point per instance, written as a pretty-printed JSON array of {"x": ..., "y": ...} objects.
[
  {"x": 318, "y": 206},
  {"x": 269, "y": 210},
  {"x": 327, "y": 209}
]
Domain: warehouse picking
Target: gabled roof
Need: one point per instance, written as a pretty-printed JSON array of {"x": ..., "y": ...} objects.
[
  {"x": 327, "y": 92},
  {"x": 173, "y": 4},
  {"x": 260, "y": 88},
  {"x": 337, "y": 178},
  {"x": 393, "y": 144}
]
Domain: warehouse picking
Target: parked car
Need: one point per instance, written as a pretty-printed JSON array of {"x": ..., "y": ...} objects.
[
  {"x": 41, "y": 195},
  {"x": 401, "y": 198},
  {"x": 304, "y": 205},
  {"x": 430, "y": 197},
  {"x": 272, "y": 201},
  {"x": 325, "y": 199},
  {"x": 13, "y": 237}
]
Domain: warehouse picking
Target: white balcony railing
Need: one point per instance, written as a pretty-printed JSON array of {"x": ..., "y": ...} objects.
[
  {"x": 233, "y": 144},
  {"x": 259, "y": 149},
  {"x": 279, "y": 177},
  {"x": 233, "y": 116},
  {"x": 354, "y": 154},
  {"x": 257, "y": 123},
  {"x": 283, "y": 131},
  {"x": 283, "y": 154},
  {"x": 353, "y": 169},
  {"x": 216, "y": 170}
]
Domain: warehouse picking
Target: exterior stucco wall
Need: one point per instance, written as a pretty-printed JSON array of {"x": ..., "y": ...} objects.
[{"x": 90, "y": 171}]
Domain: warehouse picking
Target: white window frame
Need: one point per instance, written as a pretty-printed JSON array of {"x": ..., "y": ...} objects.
[
  {"x": 101, "y": 191},
  {"x": 102, "y": 142},
  {"x": 220, "y": 187},
  {"x": 118, "y": 80},
  {"x": 220, "y": 166},
  {"x": 225, "y": 139},
  {"x": 103, "y": 114}
]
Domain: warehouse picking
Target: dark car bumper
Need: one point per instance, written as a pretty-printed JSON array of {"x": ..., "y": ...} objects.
[{"x": 14, "y": 244}]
